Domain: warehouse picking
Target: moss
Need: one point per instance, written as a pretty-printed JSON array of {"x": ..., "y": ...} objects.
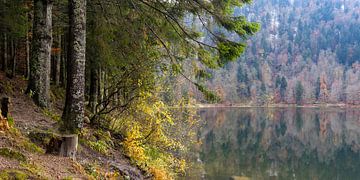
[
  {"x": 12, "y": 154},
  {"x": 34, "y": 170},
  {"x": 10, "y": 120},
  {"x": 23, "y": 142},
  {"x": 42, "y": 138},
  {"x": 47, "y": 140},
  {"x": 67, "y": 178},
  {"x": 31, "y": 147},
  {"x": 52, "y": 115},
  {"x": 11, "y": 174}
]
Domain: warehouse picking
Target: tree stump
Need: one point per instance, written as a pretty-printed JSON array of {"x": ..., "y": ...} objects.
[{"x": 69, "y": 146}]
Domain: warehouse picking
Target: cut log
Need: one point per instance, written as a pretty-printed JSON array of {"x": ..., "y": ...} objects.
[{"x": 69, "y": 146}]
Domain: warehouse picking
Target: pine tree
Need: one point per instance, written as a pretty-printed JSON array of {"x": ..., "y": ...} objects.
[
  {"x": 299, "y": 92},
  {"x": 39, "y": 80},
  {"x": 73, "y": 113},
  {"x": 283, "y": 86},
  {"x": 317, "y": 88}
]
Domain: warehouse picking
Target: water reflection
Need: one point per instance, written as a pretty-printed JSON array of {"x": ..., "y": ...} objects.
[{"x": 280, "y": 143}]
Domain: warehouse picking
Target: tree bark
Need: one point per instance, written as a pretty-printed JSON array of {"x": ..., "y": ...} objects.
[
  {"x": 100, "y": 89},
  {"x": 14, "y": 51},
  {"x": 58, "y": 63},
  {"x": 5, "y": 65},
  {"x": 93, "y": 93},
  {"x": 27, "y": 55},
  {"x": 40, "y": 62},
  {"x": 73, "y": 114},
  {"x": 63, "y": 62}
]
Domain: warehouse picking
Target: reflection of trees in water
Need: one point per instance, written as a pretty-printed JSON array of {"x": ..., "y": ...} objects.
[{"x": 306, "y": 143}]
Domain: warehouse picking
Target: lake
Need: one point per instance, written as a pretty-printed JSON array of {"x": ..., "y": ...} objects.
[{"x": 278, "y": 143}]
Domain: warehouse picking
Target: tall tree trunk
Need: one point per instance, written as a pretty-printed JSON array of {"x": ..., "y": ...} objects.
[
  {"x": 94, "y": 79},
  {"x": 14, "y": 51},
  {"x": 73, "y": 114},
  {"x": 100, "y": 89},
  {"x": 58, "y": 63},
  {"x": 63, "y": 62},
  {"x": 27, "y": 55},
  {"x": 5, "y": 65},
  {"x": 39, "y": 81}
]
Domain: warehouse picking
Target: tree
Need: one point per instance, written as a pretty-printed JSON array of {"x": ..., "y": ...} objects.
[
  {"x": 299, "y": 92},
  {"x": 73, "y": 113},
  {"x": 39, "y": 80},
  {"x": 283, "y": 86},
  {"x": 317, "y": 88}
]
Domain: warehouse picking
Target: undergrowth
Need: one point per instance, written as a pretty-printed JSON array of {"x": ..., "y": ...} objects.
[{"x": 157, "y": 137}]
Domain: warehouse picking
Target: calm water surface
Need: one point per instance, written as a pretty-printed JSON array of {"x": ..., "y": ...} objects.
[{"x": 278, "y": 143}]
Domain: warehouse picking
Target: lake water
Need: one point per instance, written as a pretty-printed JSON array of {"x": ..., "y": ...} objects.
[{"x": 278, "y": 143}]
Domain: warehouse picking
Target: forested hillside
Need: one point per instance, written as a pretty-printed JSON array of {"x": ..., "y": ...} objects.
[{"x": 308, "y": 51}]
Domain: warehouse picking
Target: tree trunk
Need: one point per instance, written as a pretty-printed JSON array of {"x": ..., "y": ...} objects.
[
  {"x": 39, "y": 81},
  {"x": 13, "y": 71},
  {"x": 73, "y": 114},
  {"x": 94, "y": 79},
  {"x": 5, "y": 65},
  {"x": 27, "y": 55},
  {"x": 58, "y": 63},
  {"x": 100, "y": 89},
  {"x": 63, "y": 62}
]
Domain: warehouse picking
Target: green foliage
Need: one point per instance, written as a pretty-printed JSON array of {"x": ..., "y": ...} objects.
[
  {"x": 210, "y": 96},
  {"x": 99, "y": 146},
  {"x": 229, "y": 51},
  {"x": 13, "y": 18}
]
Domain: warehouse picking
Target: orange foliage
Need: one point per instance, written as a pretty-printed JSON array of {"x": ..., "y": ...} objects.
[
  {"x": 4, "y": 125},
  {"x": 55, "y": 50}
]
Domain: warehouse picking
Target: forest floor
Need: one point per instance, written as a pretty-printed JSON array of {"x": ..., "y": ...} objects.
[{"x": 26, "y": 159}]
